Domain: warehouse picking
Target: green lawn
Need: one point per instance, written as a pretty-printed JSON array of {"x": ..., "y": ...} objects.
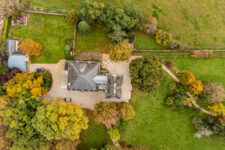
[
  {"x": 96, "y": 40},
  {"x": 50, "y": 31},
  {"x": 198, "y": 23},
  {"x": 95, "y": 136},
  {"x": 160, "y": 128},
  {"x": 146, "y": 42}
]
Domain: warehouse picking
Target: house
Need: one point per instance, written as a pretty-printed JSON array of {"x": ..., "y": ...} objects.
[
  {"x": 16, "y": 57},
  {"x": 85, "y": 76}
]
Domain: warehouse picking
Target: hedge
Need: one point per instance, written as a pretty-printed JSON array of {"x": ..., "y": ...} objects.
[{"x": 5, "y": 32}]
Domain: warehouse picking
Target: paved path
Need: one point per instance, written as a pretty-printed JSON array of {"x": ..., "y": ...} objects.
[{"x": 87, "y": 99}]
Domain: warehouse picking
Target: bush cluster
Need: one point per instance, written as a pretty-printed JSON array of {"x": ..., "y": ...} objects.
[{"x": 202, "y": 54}]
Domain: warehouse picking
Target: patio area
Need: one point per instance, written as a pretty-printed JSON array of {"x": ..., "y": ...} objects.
[{"x": 84, "y": 98}]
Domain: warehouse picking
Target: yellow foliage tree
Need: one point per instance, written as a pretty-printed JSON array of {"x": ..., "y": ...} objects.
[
  {"x": 196, "y": 87},
  {"x": 30, "y": 47},
  {"x": 121, "y": 52},
  {"x": 163, "y": 38},
  {"x": 186, "y": 77},
  {"x": 4, "y": 103},
  {"x": 59, "y": 120},
  {"x": 23, "y": 84}
]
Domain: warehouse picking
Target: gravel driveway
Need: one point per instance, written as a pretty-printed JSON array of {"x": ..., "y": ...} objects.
[{"x": 83, "y": 98}]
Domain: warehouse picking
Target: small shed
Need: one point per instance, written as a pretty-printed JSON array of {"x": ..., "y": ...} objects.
[{"x": 11, "y": 46}]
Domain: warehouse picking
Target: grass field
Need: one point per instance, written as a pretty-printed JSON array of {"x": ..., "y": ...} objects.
[
  {"x": 198, "y": 24},
  {"x": 160, "y": 128},
  {"x": 146, "y": 42},
  {"x": 96, "y": 40},
  {"x": 50, "y": 31}
]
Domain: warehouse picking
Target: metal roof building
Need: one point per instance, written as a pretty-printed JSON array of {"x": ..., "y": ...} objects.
[
  {"x": 18, "y": 61},
  {"x": 11, "y": 46}
]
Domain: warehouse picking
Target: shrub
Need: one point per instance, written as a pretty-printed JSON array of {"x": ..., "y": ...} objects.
[
  {"x": 4, "y": 143},
  {"x": 3, "y": 57},
  {"x": 177, "y": 101},
  {"x": 202, "y": 54},
  {"x": 204, "y": 97},
  {"x": 127, "y": 111},
  {"x": 215, "y": 91},
  {"x": 146, "y": 73},
  {"x": 120, "y": 52},
  {"x": 6, "y": 28},
  {"x": 196, "y": 87},
  {"x": 72, "y": 16},
  {"x": 30, "y": 47},
  {"x": 47, "y": 80},
  {"x": 84, "y": 27},
  {"x": 90, "y": 11},
  {"x": 163, "y": 38},
  {"x": 169, "y": 64},
  {"x": 218, "y": 110},
  {"x": 131, "y": 37},
  {"x": 8, "y": 75},
  {"x": 114, "y": 134},
  {"x": 117, "y": 35},
  {"x": 186, "y": 77},
  {"x": 150, "y": 25},
  {"x": 3, "y": 69}
]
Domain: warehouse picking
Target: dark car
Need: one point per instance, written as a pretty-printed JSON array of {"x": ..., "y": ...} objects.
[
  {"x": 67, "y": 99},
  {"x": 40, "y": 69}
]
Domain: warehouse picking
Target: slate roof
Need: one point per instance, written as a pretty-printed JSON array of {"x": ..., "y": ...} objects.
[
  {"x": 81, "y": 75},
  {"x": 18, "y": 61}
]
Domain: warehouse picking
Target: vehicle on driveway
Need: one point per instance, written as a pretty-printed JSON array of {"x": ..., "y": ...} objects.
[
  {"x": 40, "y": 69},
  {"x": 67, "y": 99}
]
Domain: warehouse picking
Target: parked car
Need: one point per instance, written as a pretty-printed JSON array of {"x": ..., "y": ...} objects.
[
  {"x": 40, "y": 69},
  {"x": 67, "y": 99}
]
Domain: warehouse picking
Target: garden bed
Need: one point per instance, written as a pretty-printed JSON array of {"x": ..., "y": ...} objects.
[{"x": 50, "y": 31}]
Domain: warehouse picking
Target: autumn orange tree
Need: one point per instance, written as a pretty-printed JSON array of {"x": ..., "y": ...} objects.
[
  {"x": 58, "y": 120},
  {"x": 121, "y": 52},
  {"x": 196, "y": 88},
  {"x": 30, "y": 47}
]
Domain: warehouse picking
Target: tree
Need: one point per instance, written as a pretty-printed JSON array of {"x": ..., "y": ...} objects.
[
  {"x": 163, "y": 38},
  {"x": 112, "y": 16},
  {"x": 218, "y": 111},
  {"x": 196, "y": 87},
  {"x": 150, "y": 25},
  {"x": 72, "y": 16},
  {"x": 3, "y": 57},
  {"x": 121, "y": 52},
  {"x": 215, "y": 91},
  {"x": 84, "y": 27},
  {"x": 146, "y": 73},
  {"x": 59, "y": 120},
  {"x": 114, "y": 134},
  {"x": 30, "y": 47},
  {"x": 186, "y": 77},
  {"x": 4, "y": 143},
  {"x": 9, "y": 75},
  {"x": 24, "y": 84},
  {"x": 18, "y": 119},
  {"x": 109, "y": 113},
  {"x": 65, "y": 144},
  {"x": 90, "y": 11},
  {"x": 5, "y": 102},
  {"x": 9, "y": 8},
  {"x": 118, "y": 35}
]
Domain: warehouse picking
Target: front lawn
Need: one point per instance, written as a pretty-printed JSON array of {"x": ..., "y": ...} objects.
[
  {"x": 50, "y": 31},
  {"x": 161, "y": 128},
  {"x": 96, "y": 40}
]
